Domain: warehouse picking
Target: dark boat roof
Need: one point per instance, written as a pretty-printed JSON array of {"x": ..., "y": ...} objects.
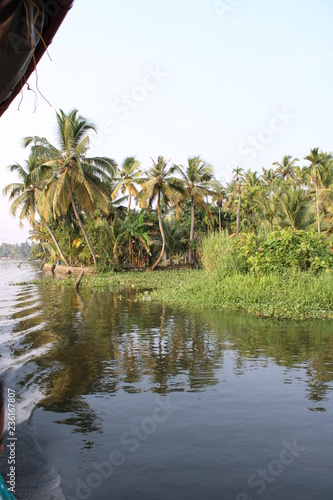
[{"x": 27, "y": 28}]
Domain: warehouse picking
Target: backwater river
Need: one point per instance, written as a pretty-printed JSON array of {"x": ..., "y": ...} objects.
[{"x": 123, "y": 400}]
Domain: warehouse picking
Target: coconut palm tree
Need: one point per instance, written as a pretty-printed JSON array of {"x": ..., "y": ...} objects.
[
  {"x": 237, "y": 178},
  {"x": 218, "y": 198},
  {"x": 316, "y": 161},
  {"x": 128, "y": 176},
  {"x": 268, "y": 207},
  {"x": 286, "y": 169},
  {"x": 301, "y": 176},
  {"x": 250, "y": 178},
  {"x": 73, "y": 178},
  {"x": 25, "y": 195},
  {"x": 268, "y": 176},
  {"x": 295, "y": 209},
  {"x": 159, "y": 185},
  {"x": 198, "y": 182}
]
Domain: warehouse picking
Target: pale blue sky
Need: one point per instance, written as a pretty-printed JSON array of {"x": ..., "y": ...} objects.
[{"x": 237, "y": 82}]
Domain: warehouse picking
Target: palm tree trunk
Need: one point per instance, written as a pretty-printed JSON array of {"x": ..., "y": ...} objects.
[
  {"x": 129, "y": 202},
  {"x": 83, "y": 230},
  {"x": 161, "y": 231},
  {"x": 207, "y": 216},
  {"x": 130, "y": 251},
  {"x": 69, "y": 247},
  {"x": 317, "y": 202},
  {"x": 238, "y": 208},
  {"x": 54, "y": 240},
  {"x": 220, "y": 225},
  {"x": 192, "y": 230}
]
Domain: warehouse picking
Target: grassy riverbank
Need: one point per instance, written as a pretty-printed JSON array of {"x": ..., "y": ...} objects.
[{"x": 292, "y": 295}]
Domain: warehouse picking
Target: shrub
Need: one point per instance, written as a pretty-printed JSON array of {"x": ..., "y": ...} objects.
[{"x": 276, "y": 251}]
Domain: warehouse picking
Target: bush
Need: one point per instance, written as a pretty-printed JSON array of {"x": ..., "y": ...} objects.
[{"x": 276, "y": 251}]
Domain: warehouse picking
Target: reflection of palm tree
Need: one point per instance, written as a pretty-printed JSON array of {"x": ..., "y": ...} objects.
[
  {"x": 73, "y": 178},
  {"x": 116, "y": 344}
]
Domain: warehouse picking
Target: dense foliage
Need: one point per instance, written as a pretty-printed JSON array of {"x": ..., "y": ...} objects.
[
  {"x": 275, "y": 251},
  {"x": 87, "y": 210}
]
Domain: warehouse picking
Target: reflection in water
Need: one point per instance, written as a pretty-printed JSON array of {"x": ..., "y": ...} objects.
[
  {"x": 104, "y": 342},
  {"x": 96, "y": 363}
]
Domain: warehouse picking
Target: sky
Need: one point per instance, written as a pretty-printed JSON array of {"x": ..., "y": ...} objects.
[{"x": 238, "y": 82}]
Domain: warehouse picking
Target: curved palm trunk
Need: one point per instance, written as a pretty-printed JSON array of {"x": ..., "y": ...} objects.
[
  {"x": 83, "y": 230},
  {"x": 161, "y": 231},
  {"x": 220, "y": 225},
  {"x": 54, "y": 240},
  {"x": 129, "y": 202},
  {"x": 192, "y": 230},
  {"x": 317, "y": 202},
  {"x": 238, "y": 208}
]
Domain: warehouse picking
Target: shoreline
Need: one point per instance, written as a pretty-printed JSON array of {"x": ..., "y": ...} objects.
[
  {"x": 63, "y": 270},
  {"x": 291, "y": 295}
]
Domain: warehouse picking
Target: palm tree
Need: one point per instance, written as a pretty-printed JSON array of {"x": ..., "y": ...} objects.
[
  {"x": 128, "y": 176},
  {"x": 25, "y": 194},
  {"x": 250, "y": 178},
  {"x": 268, "y": 207},
  {"x": 286, "y": 169},
  {"x": 268, "y": 176},
  {"x": 237, "y": 177},
  {"x": 316, "y": 160},
  {"x": 134, "y": 230},
  {"x": 159, "y": 185},
  {"x": 218, "y": 197},
  {"x": 295, "y": 209},
  {"x": 73, "y": 178},
  {"x": 300, "y": 177},
  {"x": 198, "y": 180}
]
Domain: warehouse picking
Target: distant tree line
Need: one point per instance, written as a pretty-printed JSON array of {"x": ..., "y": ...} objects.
[{"x": 18, "y": 251}]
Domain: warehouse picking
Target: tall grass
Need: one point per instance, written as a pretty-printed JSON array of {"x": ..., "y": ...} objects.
[{"x": 219, "y": 255}]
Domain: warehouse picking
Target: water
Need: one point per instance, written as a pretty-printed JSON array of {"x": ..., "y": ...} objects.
[{"x": 135, "y": 401}]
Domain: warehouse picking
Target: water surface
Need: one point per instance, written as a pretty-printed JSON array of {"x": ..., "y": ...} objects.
[{"x": 137, "y": 401}]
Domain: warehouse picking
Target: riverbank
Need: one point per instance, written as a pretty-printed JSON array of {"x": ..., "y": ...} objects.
[
  {"x": 292, "y": 295},
  {"x": 63, "y": 270}
]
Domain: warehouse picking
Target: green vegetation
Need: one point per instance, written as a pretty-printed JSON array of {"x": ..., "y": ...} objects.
[
  {"x": 74, "y": 203},
  {"x": 17, "y": 252},
  {"x": 264, "y": 240},
  {"x": 294, "y": 295},
  {"x": 276, "y": 251}
]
